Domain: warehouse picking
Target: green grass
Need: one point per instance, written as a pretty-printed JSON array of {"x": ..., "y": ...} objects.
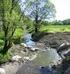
[{"x": 55, "y": 28}]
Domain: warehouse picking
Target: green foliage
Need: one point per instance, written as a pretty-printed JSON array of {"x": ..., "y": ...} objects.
[
  {"x": 18, "y": 33},
  {"x": 1, "y": 43},
  {"x": 5, "y": 58},
  {"x": 16, "y": 37},
  {"x": 1, "y": 35},
  {"x": 66, "y": 22},
  {"x": 11, "y": 18}
]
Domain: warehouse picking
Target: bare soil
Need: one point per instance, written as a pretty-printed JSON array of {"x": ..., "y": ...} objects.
[{"x": 54, "y": 40}]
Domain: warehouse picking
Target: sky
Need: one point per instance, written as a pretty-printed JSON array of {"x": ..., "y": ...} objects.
[{"x": 62, "y": 9}]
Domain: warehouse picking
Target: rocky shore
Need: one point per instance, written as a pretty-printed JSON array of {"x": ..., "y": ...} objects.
[{"x": 22, "y": 54}]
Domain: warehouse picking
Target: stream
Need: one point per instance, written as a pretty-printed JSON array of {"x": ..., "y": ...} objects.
[
  {"x": 44, "y": 58},
  {"x": 42, "y": 61}
]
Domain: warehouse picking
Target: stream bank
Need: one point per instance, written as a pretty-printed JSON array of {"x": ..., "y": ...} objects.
[{"x": 42, "y": 55}]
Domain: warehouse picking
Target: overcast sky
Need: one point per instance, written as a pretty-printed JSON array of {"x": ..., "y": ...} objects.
[{"x": 62, "y": 9}]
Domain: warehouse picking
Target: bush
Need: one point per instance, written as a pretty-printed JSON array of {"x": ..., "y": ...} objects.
[
  {"x": 1, "y": 43},
  {"x": 1, "y": 35},
  {"x": 5, "y": 58},
  {"x": 17, "y": 35},
  {"x": 37, "y": 36}
]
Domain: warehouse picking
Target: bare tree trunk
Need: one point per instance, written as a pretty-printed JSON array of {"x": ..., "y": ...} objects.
[
  {"x": 36, "y": 23},
  {"x": 36, "y": 29},
  {"x": 36, "y": 20},
  {"x": 36, "y": 26},
  {"x": 5, "y": 48}
]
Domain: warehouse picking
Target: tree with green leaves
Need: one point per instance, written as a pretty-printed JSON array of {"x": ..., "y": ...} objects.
[
  {"x": 10, "y": 16},
  {"x": 39, "y": 10}
]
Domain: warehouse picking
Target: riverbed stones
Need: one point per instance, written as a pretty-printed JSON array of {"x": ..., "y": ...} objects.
[
  {"x": 27, "y": 68},
  {"x": 16, "y": 58},
  {"x": 34, "y": 49},
  {"x": 26, "y": 58},
  {"x": 2, "y": 71},
  {"x": 23, "y": 44},
  {"x": 64, "y": 46}
]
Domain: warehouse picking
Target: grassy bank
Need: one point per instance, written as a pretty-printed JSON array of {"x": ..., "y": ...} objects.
[{"x": 55, "y": 28}]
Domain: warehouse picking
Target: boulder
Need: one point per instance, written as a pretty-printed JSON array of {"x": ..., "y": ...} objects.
[
  {"x": 23, "y": 44},
  {"x": 34, "y": 49},
  {"x": 63, "y": 46},
  {"x": 26, "y": 58},
  {"x": 16, "y": 58},
  {"x": 2, "y": 71}
]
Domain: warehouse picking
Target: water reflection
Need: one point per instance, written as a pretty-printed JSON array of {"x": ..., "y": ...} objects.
[
  {"x": 42, "y": 63},
  {"x": 46, "y": 70},
  {"x": 29, "y": 68},
  {"x": 44, "y": 58}
]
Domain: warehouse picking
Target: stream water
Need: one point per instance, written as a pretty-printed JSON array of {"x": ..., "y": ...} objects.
[
  {"x": 42, "y": 63},
  {"x": 44, "y": 58}
]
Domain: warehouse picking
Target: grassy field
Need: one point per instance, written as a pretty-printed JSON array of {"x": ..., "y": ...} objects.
[{"x": 55, "y": 28}]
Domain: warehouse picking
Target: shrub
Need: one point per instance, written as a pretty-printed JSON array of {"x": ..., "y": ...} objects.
[
  {"x": 17, "y": 35},
  {"x": 5, "y": 58},
  {"x": 1, "y": 43}
]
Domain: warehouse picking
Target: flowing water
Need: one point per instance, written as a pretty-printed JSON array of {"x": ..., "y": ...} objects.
[
  {"x": 44, "y": 58},
  {"x": 42, "y": 62}
]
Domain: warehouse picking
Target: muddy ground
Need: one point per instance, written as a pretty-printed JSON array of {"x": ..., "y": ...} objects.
[{"x": 54, "y": 40}]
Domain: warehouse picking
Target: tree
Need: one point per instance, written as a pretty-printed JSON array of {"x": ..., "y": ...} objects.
[
  {"x": 39, "y": 10},
  {"x": 10, "y": 17},
  {"x": 66, "y": 22}
]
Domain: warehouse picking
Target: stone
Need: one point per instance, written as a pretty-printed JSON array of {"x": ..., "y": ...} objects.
[
  {"x": 16, "y": 58},
  {"x": 34, "y": 49},
  {"x": 2, "y": 71},
  {"x": 63, "y": 46},
  {"x": 33, "y": 57},
  {"x": 23, "y": 44},
  {"x": 26, "y": 58}
]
